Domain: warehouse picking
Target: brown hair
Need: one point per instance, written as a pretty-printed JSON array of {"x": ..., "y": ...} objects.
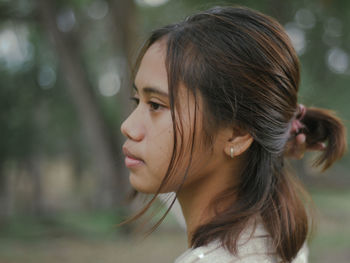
[{"x": 244, "y": 67}]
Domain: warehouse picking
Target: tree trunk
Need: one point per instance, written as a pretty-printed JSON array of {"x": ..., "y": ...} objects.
[
  {"x": 122, "y": 22},
  {"x": 88, "y": 111},
  {"x": 4, "y": 207},
  {"x": 33, "y": 167}
]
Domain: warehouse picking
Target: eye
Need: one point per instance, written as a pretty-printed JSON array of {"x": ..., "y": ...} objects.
[
  {"x": 135, "y": 100},
  {"x": 154, "y": 106}
]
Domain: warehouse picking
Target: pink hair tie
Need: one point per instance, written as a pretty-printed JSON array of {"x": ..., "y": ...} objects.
[{"x": 297, "y": 125}]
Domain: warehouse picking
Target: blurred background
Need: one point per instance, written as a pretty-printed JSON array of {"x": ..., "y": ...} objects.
[{"x": 64, "y": 89}]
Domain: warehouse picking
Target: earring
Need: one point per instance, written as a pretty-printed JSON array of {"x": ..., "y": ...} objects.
[{"x": 231, "y": 152}]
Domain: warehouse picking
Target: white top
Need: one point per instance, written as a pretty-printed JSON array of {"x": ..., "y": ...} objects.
[{"x": 251, "y": 248}]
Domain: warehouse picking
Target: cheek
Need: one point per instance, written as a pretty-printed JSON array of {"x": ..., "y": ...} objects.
[
  {"x": 158, "y": 150},
  {"x": 206, "y": 159}
]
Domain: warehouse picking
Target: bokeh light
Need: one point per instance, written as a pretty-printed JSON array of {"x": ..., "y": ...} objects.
[
  {"x": 297, "y": 36},
  {"x": 97, "y": 9},
  {"x": 15, "y": 49},
  {"x": 153, "y": 3},
  {"x": 46, "y": 77},
  {"x": 305, "y": 18},
  {"x": 66, "y": 20},
  {"x": 109, "y": 84},
  {"x": 337, "y": 60}
]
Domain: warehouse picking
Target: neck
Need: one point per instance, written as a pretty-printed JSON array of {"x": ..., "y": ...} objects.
[{"x": 195, "y": 199}]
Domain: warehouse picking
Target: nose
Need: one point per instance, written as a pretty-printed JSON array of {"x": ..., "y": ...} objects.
[{"x": 133, "y": 128}]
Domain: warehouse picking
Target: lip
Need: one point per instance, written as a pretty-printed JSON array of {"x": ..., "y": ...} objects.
[{"x": 131, "y": 160}]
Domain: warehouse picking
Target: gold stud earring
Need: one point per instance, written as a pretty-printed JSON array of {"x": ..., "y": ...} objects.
[{"x": 231, "y": 152}]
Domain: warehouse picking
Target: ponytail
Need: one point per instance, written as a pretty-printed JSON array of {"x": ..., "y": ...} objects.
[
  {"x": 286, "y": 218},
  {"x": 324, "y": 126}
]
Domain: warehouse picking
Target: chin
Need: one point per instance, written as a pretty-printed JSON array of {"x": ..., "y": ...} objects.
[{"x": 141, "y": 185}]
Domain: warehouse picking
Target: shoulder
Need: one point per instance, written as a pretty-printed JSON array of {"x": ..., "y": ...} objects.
[{"x": 252, "y": 247}]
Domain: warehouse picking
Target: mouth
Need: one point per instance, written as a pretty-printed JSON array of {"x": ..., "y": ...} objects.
[{"x": 131, "y": 160}]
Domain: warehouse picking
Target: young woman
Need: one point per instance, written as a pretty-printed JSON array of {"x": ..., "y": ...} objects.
[{"x": 216, "y": 116}]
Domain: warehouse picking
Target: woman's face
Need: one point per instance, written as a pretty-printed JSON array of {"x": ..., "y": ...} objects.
[{"x": 149, "y": 130}]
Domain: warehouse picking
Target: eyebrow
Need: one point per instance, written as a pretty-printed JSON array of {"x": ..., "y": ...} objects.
[{"x": 151, "y": 90}]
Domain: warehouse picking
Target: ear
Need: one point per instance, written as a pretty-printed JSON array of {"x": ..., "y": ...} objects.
[{"x": 239, "y": 142}]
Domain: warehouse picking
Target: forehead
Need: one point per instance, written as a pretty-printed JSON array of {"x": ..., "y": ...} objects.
[{"x": 152, "y": 70}]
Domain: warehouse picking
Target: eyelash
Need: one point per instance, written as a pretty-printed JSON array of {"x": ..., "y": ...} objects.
[
  {"x": 153, "y": 105},
  {"x": 135, "y": 100}
]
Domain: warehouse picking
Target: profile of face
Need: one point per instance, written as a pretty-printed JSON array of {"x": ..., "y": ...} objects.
[
  {"x": 150, "y": 137},
  {"x": 149, "y": 128}
]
